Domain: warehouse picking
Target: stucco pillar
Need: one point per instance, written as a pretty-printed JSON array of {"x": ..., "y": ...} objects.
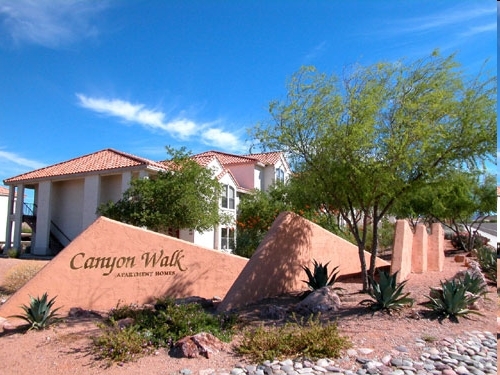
[
  {"x": 43, "y": 219},
  {"x": 419, "y": 249},
  {"x": 401, "y": 253},
  {"x": 90, "y": 200},
  {"x": 126, "y": 179},
  {"x": 18, "y": 216},
  {"x": 436, "y": 248},
  {"x": 10, "y": 218}
]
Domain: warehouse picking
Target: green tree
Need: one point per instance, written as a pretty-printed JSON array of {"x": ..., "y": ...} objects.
[
  {"x": 460, "y": 200},
  {"x": 185, "y": 196},
  {"x": 382, "y": 131}
]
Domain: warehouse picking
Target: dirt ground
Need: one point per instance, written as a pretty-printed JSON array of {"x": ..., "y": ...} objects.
[{"x": 63, "y": 348}]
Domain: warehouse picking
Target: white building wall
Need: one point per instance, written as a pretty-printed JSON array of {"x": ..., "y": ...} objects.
[
  {"x": 67, "y": 207},
  {"x": 91, "y": 189},
  {"x": 113, "y": 187},
  {"x": 4, "y": 213},
  {"x": 43, "y": 217}
]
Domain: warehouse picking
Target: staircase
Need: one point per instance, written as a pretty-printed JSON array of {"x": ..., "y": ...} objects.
[{"x": 55, "y": 245}]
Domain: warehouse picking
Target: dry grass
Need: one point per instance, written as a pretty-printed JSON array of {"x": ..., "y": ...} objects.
[{"x": 19, "y": 275}]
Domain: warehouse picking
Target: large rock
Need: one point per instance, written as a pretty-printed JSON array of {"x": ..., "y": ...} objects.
[
  {"x": 319, "y": 301},
  {"x": 204, "y": 344}
]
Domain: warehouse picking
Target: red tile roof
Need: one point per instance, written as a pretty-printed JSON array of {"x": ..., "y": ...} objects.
[
  {"x": 267, "y": 158},
  {"x": 4, "y": 190},
  {"x": 225, "y": 158},
  {"x": 107, "y": 159}
]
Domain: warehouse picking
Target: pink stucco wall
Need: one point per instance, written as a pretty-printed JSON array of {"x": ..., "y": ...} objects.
[
  {"x": 111, "y": 263},
  {"x": 275, "y": 268}
]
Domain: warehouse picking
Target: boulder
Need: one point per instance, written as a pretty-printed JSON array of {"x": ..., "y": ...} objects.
[
  {"x": 318, "y": 301},
  {"x": 203, "y": 343}
]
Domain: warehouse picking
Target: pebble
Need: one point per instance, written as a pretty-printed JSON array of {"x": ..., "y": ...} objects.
[{"x": 473, "y": 354}]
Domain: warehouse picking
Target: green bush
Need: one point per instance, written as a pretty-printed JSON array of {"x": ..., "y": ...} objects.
[
  {"x": 387, "y": 294},
  {"x": 487, "y": 260},
  {"x": 13, "y": 253},
  {"x": 157, "y": 327},
  {"x": 452, "y": 300},
  {"x": 39, "y": 314},
  {"x": 119, "y": 345},
  {"x": 310, "y": 339}
]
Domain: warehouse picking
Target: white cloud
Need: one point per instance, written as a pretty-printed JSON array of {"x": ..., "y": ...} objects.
[
  {"x": 11, "y": 157},
  {"x": 50, "y": 23},
  {"x": 179, "y": 127},
  {"x": 221, "y": 139}
]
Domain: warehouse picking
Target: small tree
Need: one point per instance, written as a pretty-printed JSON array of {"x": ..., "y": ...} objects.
[
  {"x": 379, "y": 133},
  {"x": 459, "y": 200},
  {"x": 185, "y": 196}
]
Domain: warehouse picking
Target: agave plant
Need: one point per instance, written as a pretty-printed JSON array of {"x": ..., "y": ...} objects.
[
  {"x": 452, "y": 300},
  {"x": 39, "y": 314},
  {"x": 387, "y": 294},
  {"x": 319, "y": 277}
]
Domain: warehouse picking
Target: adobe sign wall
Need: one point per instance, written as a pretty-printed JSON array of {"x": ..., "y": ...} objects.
[
  {"x": 275, "y": 268},
  {"x": 111, "y": 263}
]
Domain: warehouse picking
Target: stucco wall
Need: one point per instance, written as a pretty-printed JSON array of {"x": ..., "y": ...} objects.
[
  {"x": 4, "y": 205},
  {"x": 275, "y": 268},
  {"x": 113, "y": 263},
  {"x": 67, "y": 206}
]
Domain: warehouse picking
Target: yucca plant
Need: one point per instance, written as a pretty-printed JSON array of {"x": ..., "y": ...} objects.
[
  {"x": 387, "y": 294},
  {"x": 319, "y": 277},
  {"x": 39, "y": 314},
  {"x": 452, "y": 301}
]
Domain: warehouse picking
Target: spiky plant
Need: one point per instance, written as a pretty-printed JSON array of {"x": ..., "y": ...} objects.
[
  {"x": 39, "y": 314},
  {"x": 387, "y": 294},
  {"x": 319, "y": 276},
  {"x": 452, "y": 300}
]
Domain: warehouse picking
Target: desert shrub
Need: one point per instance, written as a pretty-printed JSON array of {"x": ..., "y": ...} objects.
[
  {"x": 39, "y": 314},
  {"x": 460, "y": 241},
  {"x": 13, "y": 253},
  {"x": 19, "y": 275},
  {"x": 298, "y": 339},
  {"x": 119, "y": 344},
  {"x": 488, "y": 262},
  {"x": 452, "y": 300},
  {"x": 157, "y": 327},
  {"x": 387, "y": 294}
]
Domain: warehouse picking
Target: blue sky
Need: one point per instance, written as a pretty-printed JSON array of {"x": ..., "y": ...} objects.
[{"x": 80, "y": 76}]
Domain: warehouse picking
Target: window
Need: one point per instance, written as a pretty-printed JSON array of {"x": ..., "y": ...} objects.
[
  {"x": 227, "y": 238},
  {"x": 228, "y": 195},
  {"x": 280, "y": 175}
]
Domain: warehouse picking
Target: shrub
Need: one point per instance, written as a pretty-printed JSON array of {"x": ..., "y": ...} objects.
[
  {"x": 387, "y": 294},
  {"x": 319, "y": 277},
  {"x": 452, "y": 300},
  {"x": 488, "y": 262},
  {"x": 39, "y": 314},
  {"x": 157, "y": 327},
  {"x": 119, "y": 345},
  {"x": 20, "y": 274},
  {"x": 312, "y": 340},
  {"x": 13, "y": 253},
  {"x": 461, "y": 241}
]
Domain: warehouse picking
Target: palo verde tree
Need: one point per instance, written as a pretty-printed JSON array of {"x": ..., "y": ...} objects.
[
  {"x": 185, "y": 196},
  {"x": 379, "y": 132},
  {"x": 459, "y": 200}
]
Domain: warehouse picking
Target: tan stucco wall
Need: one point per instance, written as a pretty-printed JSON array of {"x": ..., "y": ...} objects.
[
  {"x": 275, "y": 268},
  {"x": 189, "y": 270}
]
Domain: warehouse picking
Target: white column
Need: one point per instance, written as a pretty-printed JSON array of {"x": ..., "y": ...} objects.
[
  {"x": 10, "y": 218},
  {"x": 91, "y": 190},
  {"x": 43, "y": 219},
  {"x": 18, "y": 216},
  {"x": 126, "y": 180}
]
